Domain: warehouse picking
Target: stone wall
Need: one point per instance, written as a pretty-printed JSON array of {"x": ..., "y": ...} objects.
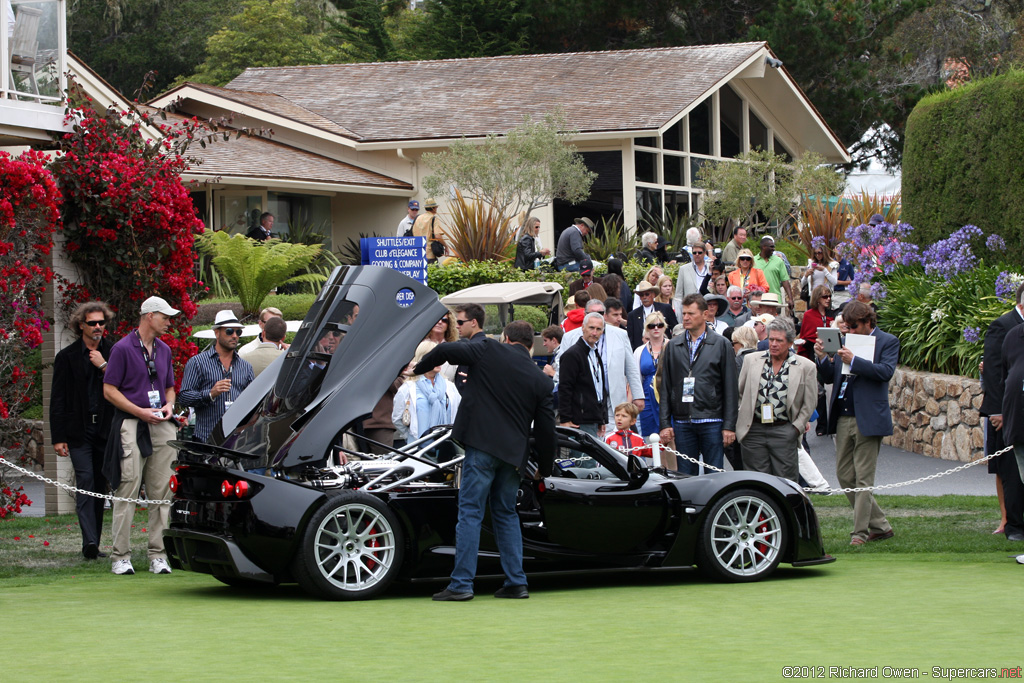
[
  {"x": 28, "y": 446},
  {"x": 936, "y": 415}
]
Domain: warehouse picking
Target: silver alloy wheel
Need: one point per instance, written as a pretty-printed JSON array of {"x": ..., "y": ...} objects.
[
  {"x": 354, "y": 547},
  {"x": 746, "y": 536}
]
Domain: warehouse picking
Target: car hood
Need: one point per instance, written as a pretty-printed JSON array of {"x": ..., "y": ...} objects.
[{"x": 359, "y": 334}]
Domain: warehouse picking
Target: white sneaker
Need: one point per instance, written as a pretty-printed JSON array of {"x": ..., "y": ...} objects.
[
  {"x": 122, "y": 567},
  {"x": 1020, "y": 559},
  {"x": 158, "y": 565}
]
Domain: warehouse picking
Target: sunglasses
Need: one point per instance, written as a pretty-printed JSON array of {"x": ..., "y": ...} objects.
[
  {"x": 745, "y": 258},
  {"x": 95, "y": 323},
  {"x": 231, "y": 331},
  {"x": 151, "y": 367},
  {"x": 736, "y": 298},
  {"x": 654, "y": 326},
  {"x": 825, "y": 296},
  {"x": 697, "y": 252},
  {"x": 460, "y": 323}
]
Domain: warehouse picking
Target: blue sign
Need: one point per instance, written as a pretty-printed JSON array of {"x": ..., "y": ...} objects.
[{"x": 405, "y": 254}]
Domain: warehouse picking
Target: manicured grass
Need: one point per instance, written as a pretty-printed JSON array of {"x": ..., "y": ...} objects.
[{"x": 936, "y": 595}]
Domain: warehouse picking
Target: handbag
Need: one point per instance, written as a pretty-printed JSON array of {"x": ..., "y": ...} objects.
[{"x": 805, "y": 290}]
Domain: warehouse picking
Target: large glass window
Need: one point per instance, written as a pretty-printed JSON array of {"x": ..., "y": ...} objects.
[
  {"x": 730, "y": 121},
  {"x": 304, "y": 215},
  {"x": 35, "y": 52},
  {"x": 646, "y": 167},
  {"x": 758, "y": 132},
  {"x": 780, "y": 149},
  {"x": 675, "y": 170},
  {"x": 648, "y": 201},
  {"x": 701, "y": 135},
  {"x": 673, "y": 137}
]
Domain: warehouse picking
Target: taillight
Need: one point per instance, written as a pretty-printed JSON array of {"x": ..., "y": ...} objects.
[
  {"x": 174, "y": 483},
  {"x": 241, "y": 489},
  {"x": 227, "y": 488}
]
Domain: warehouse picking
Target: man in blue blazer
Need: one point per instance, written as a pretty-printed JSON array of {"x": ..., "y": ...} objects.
[{"x": 859, "y": 416}]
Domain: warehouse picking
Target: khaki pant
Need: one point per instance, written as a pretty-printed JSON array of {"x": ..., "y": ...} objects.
[
  {"x": 156, "y": 471},
  {"x": 856, "y": 457}
]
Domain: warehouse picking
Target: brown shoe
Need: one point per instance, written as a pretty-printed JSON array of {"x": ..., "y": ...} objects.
[
  {"x": 857, "y": 540},
  {"x": 881, "y": 536}
]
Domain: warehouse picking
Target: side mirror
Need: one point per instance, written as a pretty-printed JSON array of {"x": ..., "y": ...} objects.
[{"x": 638, "y": 472}]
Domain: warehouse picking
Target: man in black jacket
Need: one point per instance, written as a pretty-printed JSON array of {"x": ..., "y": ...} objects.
[
  {"x": 700, "y": 390},
  {"x": 505, "y": 392},
  {"x": 80, "y": 416},
  {"x": 582, "y": 383},
  {"x": 993, "y": 384}
]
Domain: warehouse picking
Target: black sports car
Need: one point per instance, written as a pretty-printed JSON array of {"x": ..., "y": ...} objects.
[{"x": 278, "y": 497}]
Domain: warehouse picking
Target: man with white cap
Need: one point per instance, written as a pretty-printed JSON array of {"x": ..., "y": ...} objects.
[
  {"x": 139, "y": 382},
  {"x": 216, "y": 376}
]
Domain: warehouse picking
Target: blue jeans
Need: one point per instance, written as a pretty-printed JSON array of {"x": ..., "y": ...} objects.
[
  {"x": 486, "y": 477},
  {"x": 571, "y": 267},
  {"x": 702, "y": 441}
]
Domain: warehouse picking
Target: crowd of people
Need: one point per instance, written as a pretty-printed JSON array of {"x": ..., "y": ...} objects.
[{"x": 716, "y": 364}]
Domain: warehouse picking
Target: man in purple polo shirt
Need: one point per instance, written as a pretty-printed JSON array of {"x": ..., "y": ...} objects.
[{"x": 139, "y": 382}]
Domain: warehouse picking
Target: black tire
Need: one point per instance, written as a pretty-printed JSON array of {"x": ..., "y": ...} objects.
[
  {"x": 352, "y": 548},
  {"x": 743, "y": 537}
]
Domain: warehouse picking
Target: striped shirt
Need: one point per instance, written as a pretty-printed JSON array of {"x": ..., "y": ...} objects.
[{"x": 202, "y": 371}]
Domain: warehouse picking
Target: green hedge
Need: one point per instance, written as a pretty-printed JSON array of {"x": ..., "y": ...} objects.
[
  {"x": 962, "y": 162},
  {"x": 455, "y": 276}
]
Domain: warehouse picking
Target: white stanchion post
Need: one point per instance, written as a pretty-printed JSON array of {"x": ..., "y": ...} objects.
[{"x": 655, "y": 441}]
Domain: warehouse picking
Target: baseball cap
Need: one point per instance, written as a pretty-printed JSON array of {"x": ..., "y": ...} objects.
[
  {"x": 413, "y": 204},
  {"x": 155, "y": 304}
]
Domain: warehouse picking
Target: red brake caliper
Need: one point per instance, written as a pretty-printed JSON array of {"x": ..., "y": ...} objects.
[
  {"x": 761, "y": 547},
  {"x": 370, "y": 564}
]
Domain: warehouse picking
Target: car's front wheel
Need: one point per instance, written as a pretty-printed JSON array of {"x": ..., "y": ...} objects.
[
  {"x": 351, "y": 549},
  {"x": 742, "y": 538}
]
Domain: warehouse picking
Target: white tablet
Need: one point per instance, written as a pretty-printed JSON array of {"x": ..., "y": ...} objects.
[{"x": 829, "y": 337}]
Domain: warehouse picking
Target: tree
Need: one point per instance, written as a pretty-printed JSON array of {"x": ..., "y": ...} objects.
[
  {"x": 254, "y": 268},
  {"x": 472, "y": 28},
  {"x": 125, "y": 42},
  {"x": 760, "y": 188},
  {"x": 362, "y": 30},
  {"x": 523, "y": 170},
  {"x": 264, "y": 33}
]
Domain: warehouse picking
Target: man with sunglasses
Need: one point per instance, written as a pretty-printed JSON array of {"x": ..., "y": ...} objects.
[
  {"x": 694, "y": 276},
  {"x": 216, "y": 376},
  {"x": 80, "y": 416},
  {"x": 469, "y": 320},
  {"x": 139, "y": 382},
  {"x": 737, "y": 312}
]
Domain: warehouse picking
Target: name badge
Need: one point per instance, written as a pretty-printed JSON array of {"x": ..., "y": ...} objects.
[
  {"x": 154, "y": 399},
  {"x": 767, "y": 414},
  {"x": 842, "y": 387},
  {"x": 688, "y": 384}
]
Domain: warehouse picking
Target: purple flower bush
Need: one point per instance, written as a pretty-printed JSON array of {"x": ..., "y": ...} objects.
[
  {"x": 1006, "y": 286},
  {"x": 972, "y": 335}
]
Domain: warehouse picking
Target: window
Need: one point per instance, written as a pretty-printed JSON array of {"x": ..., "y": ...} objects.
[
  {"x": 648, "y": 201},
  {"x": 675, "y": 170},
  {"x": 758, "y": 132},
  {"x": 700, "y": 128},
  {"x": 646, "y": 142},
  {"x": 646, "y": 167},
  {"x": 780, "y": 149},
  {"x": 673, "y": 137},
  {"x": 731, "y": 121}
]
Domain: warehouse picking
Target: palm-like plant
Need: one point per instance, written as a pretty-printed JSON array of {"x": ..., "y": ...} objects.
[
  {"x": 864, "y": 206},
  {"x": 610, "y": 237},
  {"x": 477, "y": 231},
  {"x": 253, "y": 268},
  {"x": 822, "y": 221}
]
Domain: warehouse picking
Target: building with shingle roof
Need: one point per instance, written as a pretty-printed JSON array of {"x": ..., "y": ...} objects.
[{"x": 348, "y": 139}]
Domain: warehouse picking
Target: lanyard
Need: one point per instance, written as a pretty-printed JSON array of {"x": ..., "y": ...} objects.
[
  {"x": 150, "y": 365},
  {"x": 597, "y": 373}
]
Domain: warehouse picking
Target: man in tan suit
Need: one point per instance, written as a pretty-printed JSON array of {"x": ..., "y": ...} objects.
[
  {"x": 270, "y": 348},
  {"x": 778, "y": 393}
]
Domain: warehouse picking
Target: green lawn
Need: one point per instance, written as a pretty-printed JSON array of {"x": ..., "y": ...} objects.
[{"x": 936, "y": 595}]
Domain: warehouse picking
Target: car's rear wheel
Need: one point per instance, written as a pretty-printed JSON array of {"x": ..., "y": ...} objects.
[
  {"x": 743, "y": 537},
  {"x": 351, "y": 549}
]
